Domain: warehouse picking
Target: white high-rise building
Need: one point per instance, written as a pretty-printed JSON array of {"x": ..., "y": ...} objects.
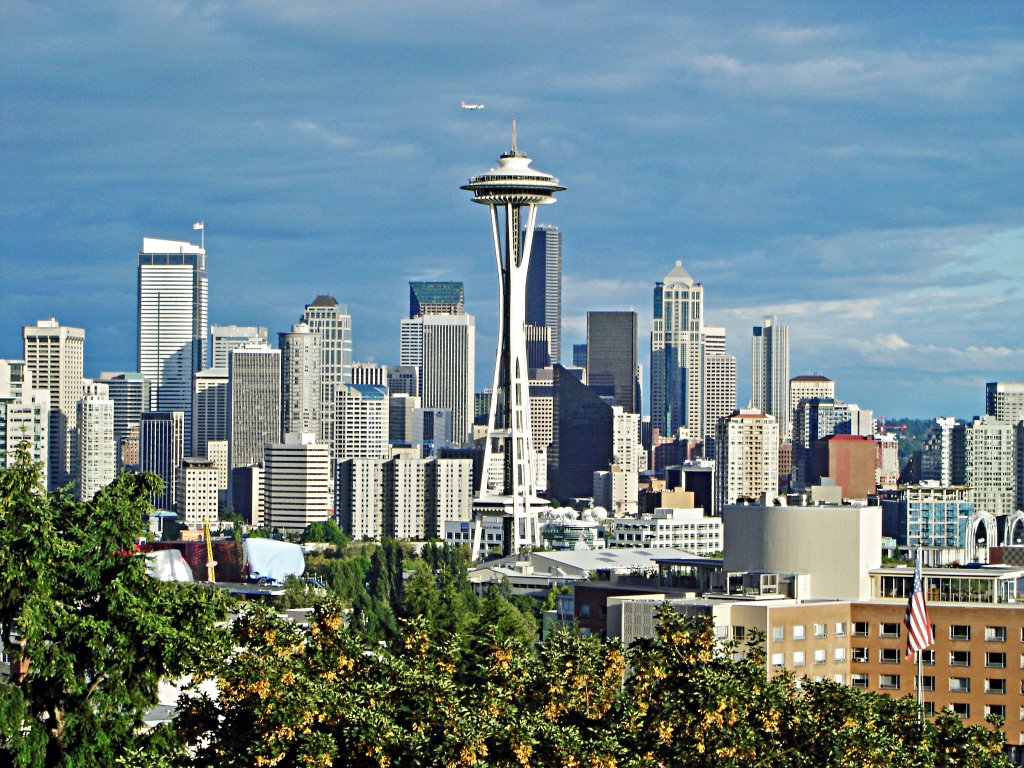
[
  {"x": 359, "y": 497},
  {"x": 300, "y": 381},
  {"x": 808, "y": 387},
  {"x": 24, "y": 415},
  {"x": 198, "y": 496},
  {"x": 719, "y": 385},
  {"x": 677, "y": 367},
  {"x": 405, "y": 497},
  {"x": 747, "y": 457},
  {"x": 224, "y": 338},
  {"x": 130, "y": 393},
  {"x": 770, "y": 372},
  {"x": 211, "y": 412},
  {"x": 162, "y": 451},
  {"x": 1005, "y": 400},
  {"x": 627, "y": 450},
  {"x": 255, "y": 403},
  {"x": 96, "y": 446},
  {"x": 362, "y": 431},
  {"x": 54, "y": 354},
  {"x": 443, "y": 347},
  {"x": 617, "y": 490},
  {"x": 296, "y": 482},
  {"x": 173, "y": 299},
  {"x": 984, "y": 459},
  {"x": 333, "y": 324}
]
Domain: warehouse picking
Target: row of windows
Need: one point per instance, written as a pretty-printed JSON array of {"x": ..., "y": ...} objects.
[
  {"x": 956, "y": 684},
  {"x": 993, "y": 659},
  {"x": 956, "y": 631},
  {"x": 800, "y": 633}
]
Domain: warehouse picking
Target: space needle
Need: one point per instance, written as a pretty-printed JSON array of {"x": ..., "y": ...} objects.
[{"x": 508, "y": 486}]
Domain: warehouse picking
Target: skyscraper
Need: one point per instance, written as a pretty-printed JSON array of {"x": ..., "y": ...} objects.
[
  {"x": 333, "y": 324},
  {"x": 172, "y": 322},
  {"x": 677, "y": 355},
  {"x": 300, "y": 381},
  {"x": 226, "y": 337},
  {"x": 436, "y": 298},
  {"x": 1005, "y": 400},
  {"x": 255, "y": 403},
  {"x": 161, "y": 452},
  {"x": 130, "y": 393},
  {"x": 54, "y": 354},
  {"x": 544, "y": 285},
  {"x": 770, "y": 372},
  {"x": 96, "y": 448},
  {"x": 612, "y": 358},
  {"x": 747, "y": 457},
  {"x": 719, "y": 385},
  {"x": 296, "y": 482},
  {"x": 443, "y": 348},
  {"x": 24, "y": 415},
  {"x": 362, "y": 422},
  {"x": 211, "y": 411},
  {"x": 511, "y": 187}
]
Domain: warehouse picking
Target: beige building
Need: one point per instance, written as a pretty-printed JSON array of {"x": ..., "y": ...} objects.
[
  {"x": 296, "y": 482},
  {"x": 747, "y": 457},
  {"x": 805, "y": 388},
  {"x": 198, "y": 492}
]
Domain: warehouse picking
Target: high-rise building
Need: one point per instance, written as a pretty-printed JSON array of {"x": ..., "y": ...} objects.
[
  {"x": 581, "y": 440},
  {"x": 627, "y": 451},
  {"x": 747, "y": 457},
  {"x": 172, "y": 322},
  {"x": 510, "y": 493},
  {"x": 400, "y": 418},
  {"x": 770, "y": 371},
  {"x": 300, "y": 381},
  {"x": 358, "y": 491},
  {"x": 224, "y": 338},
  {"x": 850, "y": 462},
  {"x": 54, "y": 354},
  {"x": 719, "y": 385},
  {"x": 24, "y": 415},
  {"x": 937, "y": 452},
  {"x": 612, "y": 358},
  {"x": 579, "y": 355},
  {"x": 131, "y": 396},
  {"x": 436, "y": 298},
  {"x": 984, "y": 459},
  {"x": 161, "y": 452},
  {"x": 254, "y": 397},
  {"x": 431, "y": 427},
  {"x": 296, "y": 482},
  {"x": 544, "y": 286},
  {"x": 198, "y": 495},
  {"x": 1005, "y": 400},
  {"x": 211, "y": 408},
  {"x": 362, "y": 430},
  {"x": 676, "y": 355},
  {"x": 96, "y": 461},
  {"x": 806, "y": 388},
  {"x": 538, "y": 346},
  {"x": 443, "y": 348},
  {"x": 333, "y": 324}
]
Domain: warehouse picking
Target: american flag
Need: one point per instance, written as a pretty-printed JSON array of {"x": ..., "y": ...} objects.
[{"x": 919, "y": 626}]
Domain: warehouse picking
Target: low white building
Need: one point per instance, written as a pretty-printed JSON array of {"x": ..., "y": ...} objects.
[{"x": 685, "y": 529}]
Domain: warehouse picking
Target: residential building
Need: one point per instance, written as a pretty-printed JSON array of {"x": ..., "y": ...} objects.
[
  {"x": 173, "y": 298},
  {"x": 932, "y": 519},
  {"x": 616, "y": 489},
  {"x": 254, "y": 398},
  {"x": 301, "y": 382},
  {"x": 677, "y": 364},
  {"x": 770, "y": 372},
  {"x": 362, "y": 430},
  {"x": 296, "y": 482},
  {"x": 612, "y": 358},
  {"x": 937, "y": 452},
  {"x": 96, "y": 460},
  {"x": 24, "y": 415},
  {"x": 984, "y": 459},
  {"x": 806, "y": 388},
  {"x": 1005, "y": 400},
  {"x": 198, "y": 493},
  {"x": 627, "y": 451},
  {"x": 747, "y": 457},
  {"x": 333, "y": 324},
  {"x": 54, "y": 354}
]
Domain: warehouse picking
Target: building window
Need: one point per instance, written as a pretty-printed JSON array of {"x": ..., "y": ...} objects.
[
  {"x": 859, "y": 654},
  {"x": 739, "y": 633},
  {"x": 889, "y": 629},
  {"x": 928, "y": 657},
  {"x": 995, "y": 634},
  {"x": 889, "y": 682},
  {"x": 927, "y": 682},
  {"x": 798, "y": 632},
  {"x": 996, "y": 685},
  {"x": 840, "y": 654},
  {"x": 960, "y": 632},
  {"x": 819, "y": 656},
  {"x": 998, "y": 710},
  {"x": 889, "y": 655},
  {"x": 585, "y": 611},
  {"x": 839, "y": 678},
  {"x": 861, "y": 681},
  {"x": 778, "y": 660},
  {"x": 959, "y": 685},
  {"x": 964, "y": 710},
  {"x": 997, "y": 660},
  {"x": 778, "y": 634},
  {"x": 860, "y": 629},
  {"x": 799, "y": 658},
  {"x": 840, "y": 629},
  {"x": 959, "y": 658},
  {"x": 929, "y": 708},
  {"x": 819, "y": 630}
]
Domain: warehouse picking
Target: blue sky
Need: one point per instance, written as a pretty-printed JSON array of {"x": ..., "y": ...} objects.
[{"x": 854, "y": 168}]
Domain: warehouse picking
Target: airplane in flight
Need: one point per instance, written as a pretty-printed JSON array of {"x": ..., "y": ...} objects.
[{"x": 464, "y": 105}]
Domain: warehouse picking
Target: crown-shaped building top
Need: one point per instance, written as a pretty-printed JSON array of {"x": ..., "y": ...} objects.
[{"x": 514, "y": 182}]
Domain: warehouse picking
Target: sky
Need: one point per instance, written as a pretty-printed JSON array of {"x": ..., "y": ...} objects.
[{"x": 855, "y": 169}]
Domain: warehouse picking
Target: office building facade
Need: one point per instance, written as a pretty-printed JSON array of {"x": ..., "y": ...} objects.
[
  {"x": 544, "y": 286},
  {"x": 296, "y": 482},
  {"x": 96, "y": 460},
  {"x": 254, "y": 398},
  {"x": 161, "y": 452},
  {"x": 211, "y": 408},
  {"x": 333, "y": 324},
  {"x": 612, "y": 358},
  {"x": 24, "y": 415},
  {"x": 770, "y": 371},
  {"x": 300, "y": 381},
  {"x": 677, "y": 360},
  {"x": 224, "y": 338}
]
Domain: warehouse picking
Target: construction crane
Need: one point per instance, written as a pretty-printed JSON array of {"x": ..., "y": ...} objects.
[{"x": 211, "y": 564}]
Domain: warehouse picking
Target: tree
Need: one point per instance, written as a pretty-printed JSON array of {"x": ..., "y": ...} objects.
[
  {"x": 326, "y": 532},
  {"x": 89, "y": 632}
]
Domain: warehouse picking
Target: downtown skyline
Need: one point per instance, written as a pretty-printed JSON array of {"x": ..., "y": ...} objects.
[{"x": 855, "y": 175}]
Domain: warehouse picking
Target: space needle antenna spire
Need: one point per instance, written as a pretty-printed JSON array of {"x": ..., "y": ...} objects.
[{"x": 508, "y": 488}]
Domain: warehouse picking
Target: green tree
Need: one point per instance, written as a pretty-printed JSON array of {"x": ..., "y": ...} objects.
[
  {"x": 326, "y": 532},
  {"x": 89, "y": 632}
]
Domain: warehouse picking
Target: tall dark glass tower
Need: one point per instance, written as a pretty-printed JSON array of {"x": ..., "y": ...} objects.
[
  {"x": 612, "y": 358},
  {"x": 544, "y": 285}
]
